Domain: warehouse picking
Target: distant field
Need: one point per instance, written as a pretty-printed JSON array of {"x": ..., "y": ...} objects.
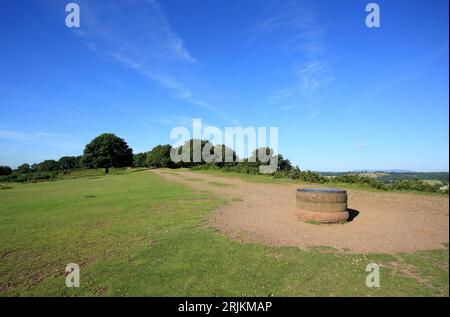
[
  {"x": 433, "y": 182},
  {"x": 134, "y": 233},
  {"x": 374, "y": 175}
]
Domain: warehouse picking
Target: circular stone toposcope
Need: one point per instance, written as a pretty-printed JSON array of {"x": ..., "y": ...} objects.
[{"x": 326, "y": 205}]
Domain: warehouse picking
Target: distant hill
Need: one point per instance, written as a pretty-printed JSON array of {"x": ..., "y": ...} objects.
[
  {"x": 389, "y": 176},
  {"x": 383, "y": 171}
]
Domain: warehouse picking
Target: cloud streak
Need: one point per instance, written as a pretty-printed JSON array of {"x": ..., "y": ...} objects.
[
  {"x": 280, "y": 95},
  {"x": 302, "y": 38},
  {"x": 137, "y": 35},
  {"x": 55, "y": 140},
  {"x": 312, "y": 75},
  {"x": 360, "y": 146}
]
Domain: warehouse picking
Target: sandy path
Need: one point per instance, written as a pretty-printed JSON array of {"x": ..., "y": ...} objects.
[{"x": 386, "y": 223}]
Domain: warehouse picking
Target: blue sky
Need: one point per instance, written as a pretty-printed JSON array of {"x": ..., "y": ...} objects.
[{"x": 342, "y": 95}]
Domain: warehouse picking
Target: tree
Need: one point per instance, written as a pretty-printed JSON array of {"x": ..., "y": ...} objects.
[
  {"x": 140, "y": 160},
  {"x": 159, "y": 156},
  {"x": 261, "y": 155},
  {"x": 284, "y": 164},
  {"x": 107, "y": 150},
  {"x": 24, "y": 168},
  {"x": 226, "y": 153},
  {"x": 5, "y": 170},
  {"x": 69, "y": 162},
  {"x": 48, "y": 166},
  {"x": 191, "y": 146}
]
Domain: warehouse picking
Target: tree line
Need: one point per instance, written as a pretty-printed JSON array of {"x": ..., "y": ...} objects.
[{"x": 108, "y": 150}]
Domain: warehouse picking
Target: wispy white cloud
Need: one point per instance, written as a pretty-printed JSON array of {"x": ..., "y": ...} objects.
[
  {"x": 50, "y": 139},
  {"x": 360, "y": 146},
  {"x": 12, "y": 135},
  {"x": 172, "y": 120},
  {"x": 146, "y": 43},
  {"x": 287, "y": 107},
  {"x": 136, "y": 28},
  {"x": 314, "y": 115},
  {"x": 295, "y": 25},
  {"x": 312, "y": 75},
  {"x": 55, "y": 135},
  {"x": 137, "y": 35},
  {"x": 162, "y": 78},
  {"x": 302, "y": 37},
  {"x": 172, "y": 41},
  {"x": 280, "y": 95},
  {"x": 176, "y": 120}
]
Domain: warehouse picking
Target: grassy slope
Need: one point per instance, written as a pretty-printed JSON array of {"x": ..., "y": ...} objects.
[{"x": 135, "y": 234}]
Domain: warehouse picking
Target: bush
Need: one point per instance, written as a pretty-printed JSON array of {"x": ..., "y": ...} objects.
[
  {"x": 415, "y": 185},
  {"x": 23, "y": 178},
  {"x": 280, "y": 174},
  {"x": 206, "y": 167},
  {"x": 8, "y": 178},
  {"x": 43, "y": 176},
  {"x": 312, "y": 177},
  {"x": 358, "y": 179}
]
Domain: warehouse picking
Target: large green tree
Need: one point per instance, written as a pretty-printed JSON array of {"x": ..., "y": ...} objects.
[
  {"x": 107, "y": 150},
  {"x": 159, "y": 156}
]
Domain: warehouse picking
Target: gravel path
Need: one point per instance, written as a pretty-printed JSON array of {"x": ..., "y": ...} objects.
[{"x": 265, "y": 213}]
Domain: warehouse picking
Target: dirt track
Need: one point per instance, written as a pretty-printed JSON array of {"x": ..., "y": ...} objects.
[{"x": 386, "y": 223}]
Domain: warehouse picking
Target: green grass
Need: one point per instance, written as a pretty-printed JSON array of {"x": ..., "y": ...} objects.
[{"x": 133, "y": 233}]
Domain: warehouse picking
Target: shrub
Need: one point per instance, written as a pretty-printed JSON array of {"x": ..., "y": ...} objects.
[
  {"x": 414, "y": 184},
  {"x": 312, "y": 177},
  {"x": 23, "y": 178},
  {"x": 358, "y": 179},
  {"x": 206, "y": 167}
]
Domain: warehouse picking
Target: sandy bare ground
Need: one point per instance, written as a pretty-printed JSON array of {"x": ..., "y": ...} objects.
[{"x": 386, "y": 223}]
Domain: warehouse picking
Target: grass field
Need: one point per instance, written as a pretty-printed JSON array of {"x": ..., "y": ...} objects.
[{"x": 133, "y": 233}]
